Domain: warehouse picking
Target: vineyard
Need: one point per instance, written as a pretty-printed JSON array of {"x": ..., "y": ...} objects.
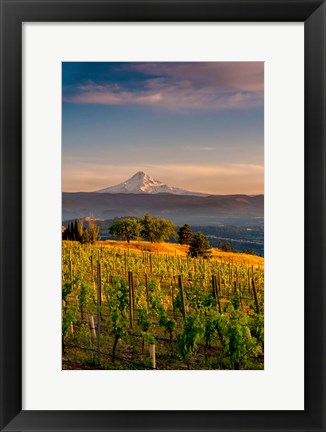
[{"x": 129, "y": 308}]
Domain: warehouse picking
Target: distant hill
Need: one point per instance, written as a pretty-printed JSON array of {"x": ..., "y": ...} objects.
[{"x": 194, "y": 210}]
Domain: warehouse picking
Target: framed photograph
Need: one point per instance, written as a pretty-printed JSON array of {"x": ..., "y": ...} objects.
[{"x": 162, "y": 217}]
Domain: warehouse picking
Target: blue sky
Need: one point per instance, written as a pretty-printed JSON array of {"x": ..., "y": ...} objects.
[{"x": 198, "y": 126}]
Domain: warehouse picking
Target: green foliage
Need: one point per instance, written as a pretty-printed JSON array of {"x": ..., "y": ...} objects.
[
  {"x": 93, "y": 231},
  {"x": 66, "y": 289},
  {"x": 119, "y": 323},
  {"x": 77, "y": 232},
  {"x": 84, "y": 335},
  {"x": 210, "y": 323},
  {"x": 168, "y": 324},
  {"x": 143, "y": 319},
  {"x": 200, "y": 246},
  {"x": 127, "y": 229},
  {"x": 236, "y": 338},
  {"x": 70, "y": 316},
  {"x": 121, "y": 298},
  {"x": 190, "y": 337},
  {"x": 149, "y": 338},
  {"x": 185, "y": 234},
  {"x": 157, "y": 230},
  {"x": 85, "y": 237},
  {"x": 225, "y": 247},
  {"x": 84, "y": 294},
  {"x": 232, "y": 339}
]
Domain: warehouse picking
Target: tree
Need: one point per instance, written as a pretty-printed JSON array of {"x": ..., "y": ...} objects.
[
  {"x": 249, "y": 251},
  {"x": 85, "y": 237},
  {"x": 185, "y": 234},
  {"x": 199, "y": 246},
  {"x": 148, "y": 227},
  {"x": 80, "y": 229},
  {"x": 76, "y": 235},
  {"x": 128, "y": 229},
  {"x": 157, "y": 230},
  {"x": 165, "y": 229},
  {"x": 226, "y": 247},
  {"x": 77, "y": 232},
  {"x": 93, "y": 230}
]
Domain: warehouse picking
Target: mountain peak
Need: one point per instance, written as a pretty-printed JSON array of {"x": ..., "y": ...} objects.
[
  {"x": 139, "y": 174},
  {"x": 142, "y": 183}
]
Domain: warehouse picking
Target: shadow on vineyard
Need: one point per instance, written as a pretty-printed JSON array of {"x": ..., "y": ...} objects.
[{"x": 134, "y": 309}]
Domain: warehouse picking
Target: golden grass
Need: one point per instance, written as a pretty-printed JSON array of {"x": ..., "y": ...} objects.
[{"x": 181, "y": 250}]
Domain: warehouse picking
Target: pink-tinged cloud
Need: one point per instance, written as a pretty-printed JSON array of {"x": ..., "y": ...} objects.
[
  {"x": 244, "y": 76},
  {"x": 212, "y": 86},
  {"x": 168, "y": 96}
]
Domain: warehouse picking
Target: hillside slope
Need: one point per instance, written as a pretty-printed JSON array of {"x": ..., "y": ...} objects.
[{"x": 181, "y": 250}]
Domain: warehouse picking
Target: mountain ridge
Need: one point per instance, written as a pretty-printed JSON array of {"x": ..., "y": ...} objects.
[
  {"x": 201, "y": 210},
  {"x": 142, "y": 183}
]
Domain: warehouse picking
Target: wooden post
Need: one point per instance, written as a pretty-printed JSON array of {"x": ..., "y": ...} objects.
[
  {"x": 99, "y": 301},
  {"x": 150, "y": 263},
  {"x": 183, "y": 303},
  {"x": 152, "y": 355},
  {"x": 241, "y": 298},
  {"x": 147, "y": 290},
  {"x": 218, "y": 293},
  {"x": 131, "y": 311},
  {"x": 255, "y": 294},
  {"x": 132, "y": 289},
  {"x": 70, "y": 270},
  {"x": 92, "y": 326},
  {"x": 125, "y": 256},
  {"x": 249, "y": 281},
  {"x": 172, "y": 297},
  {"x": 229, "y": 272},
  {"x": 213, "y": 287},
  {"x": 220, "y": 281}
]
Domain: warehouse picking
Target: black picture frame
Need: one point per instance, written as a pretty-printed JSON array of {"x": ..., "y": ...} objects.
[{"x": 13, "y": 14}]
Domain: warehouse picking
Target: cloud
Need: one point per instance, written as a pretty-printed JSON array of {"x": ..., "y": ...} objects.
[
  {"x": 210, "y": 86},
  {"x": 245, "y": 76}
]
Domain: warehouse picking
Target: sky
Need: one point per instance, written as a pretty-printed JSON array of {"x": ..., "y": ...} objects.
[{"x": 197, "y": 126}]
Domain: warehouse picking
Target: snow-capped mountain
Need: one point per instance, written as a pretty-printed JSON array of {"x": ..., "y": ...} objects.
[{"x": 142, "y": 183}]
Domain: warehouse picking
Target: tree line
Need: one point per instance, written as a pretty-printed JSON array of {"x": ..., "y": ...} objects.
[
  {"x": 147, "y": 228},
  {"x": 77, "y": 231},
  {"x": 157, "y": 230}
]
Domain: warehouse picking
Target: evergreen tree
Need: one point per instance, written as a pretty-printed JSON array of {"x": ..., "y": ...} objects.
[
  {"x": 199, "y": 246},
  {"x": 68, "y": 232},
  {"x": 76, "y": 236},
  {"x": 185, "y": 234},
  {"x": 64, "y": 233}
]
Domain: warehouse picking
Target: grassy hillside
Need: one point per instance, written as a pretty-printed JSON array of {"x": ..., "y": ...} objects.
[{"x": 181, "y": 250}]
